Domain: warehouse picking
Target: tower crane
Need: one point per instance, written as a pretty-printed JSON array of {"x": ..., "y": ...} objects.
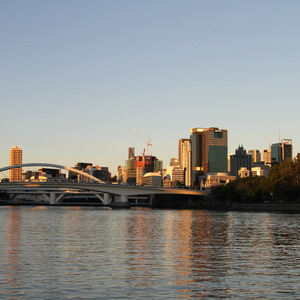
[{"x": 147, "y": 143}]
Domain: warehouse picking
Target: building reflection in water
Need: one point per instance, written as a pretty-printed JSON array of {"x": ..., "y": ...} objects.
[
  {"x": 169, "y": 253},
  {"x": 197, "y": 250},
  {"x": 13, "y": 250},
  {"x": 173, "y": 245},
  {"x": 142, "y": 249},
  {"x": 189, "y": 249}
]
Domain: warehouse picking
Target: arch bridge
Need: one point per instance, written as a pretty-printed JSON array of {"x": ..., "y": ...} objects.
[{"x": 52, "y": 166}]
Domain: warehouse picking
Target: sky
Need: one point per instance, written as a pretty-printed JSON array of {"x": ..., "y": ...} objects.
[{"x": 77, "y": 78}]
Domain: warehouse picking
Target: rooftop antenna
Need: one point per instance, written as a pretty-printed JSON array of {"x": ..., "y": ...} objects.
[{"x": 279, "y": 135}]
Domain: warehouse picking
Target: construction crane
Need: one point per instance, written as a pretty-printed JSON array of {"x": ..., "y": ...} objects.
[{"x": 147, "y": 143}]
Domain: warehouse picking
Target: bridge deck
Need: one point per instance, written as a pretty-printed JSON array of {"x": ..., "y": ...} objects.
[{"x": 113, "y": 189}]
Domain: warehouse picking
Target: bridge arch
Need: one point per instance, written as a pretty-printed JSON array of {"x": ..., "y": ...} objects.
[{"x": 53, "y": 166}]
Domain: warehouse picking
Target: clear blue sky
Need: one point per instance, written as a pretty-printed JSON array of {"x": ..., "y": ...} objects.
[{"x": 77, "y": 77}]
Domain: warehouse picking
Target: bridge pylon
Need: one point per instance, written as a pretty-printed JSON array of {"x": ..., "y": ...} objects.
[
  {"x": 121, "y": 201},
  {"x": 53, "y": 198}
]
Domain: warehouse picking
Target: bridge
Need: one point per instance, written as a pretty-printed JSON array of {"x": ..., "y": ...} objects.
[{"x": 109, "y": 194}]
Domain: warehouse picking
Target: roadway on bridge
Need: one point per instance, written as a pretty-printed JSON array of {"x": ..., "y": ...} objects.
[{"x": 113, "y": 189}]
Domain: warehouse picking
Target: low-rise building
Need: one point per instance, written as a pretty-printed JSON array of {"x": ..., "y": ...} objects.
[
  {"x": 152, "y": 179},
  {"x": 260, "y": 169},
  {"x": 211, "y": 180},
  {"x": 176, "y": 174},
  {"x": 243, "y": 172}
]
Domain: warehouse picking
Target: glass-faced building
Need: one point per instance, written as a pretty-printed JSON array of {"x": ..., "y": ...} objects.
[
  {"x": 209, "y": 149},
  {"x": 282, "y": 151}
]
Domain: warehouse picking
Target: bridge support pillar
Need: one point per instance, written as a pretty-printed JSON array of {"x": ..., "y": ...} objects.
[
  {"x": 152, "y": 199},
  {"x": 106, "y": 199},
  {"x": 52, "y": 199},
  {"x": 121, "y": 201}
]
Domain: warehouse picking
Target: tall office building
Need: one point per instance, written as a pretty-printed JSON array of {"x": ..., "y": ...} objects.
[
  {"x": 121, "y": 173},
  {"x": 130, "y": 152},
  {"x": 209, "y": 150},
  {"x": 158, "y": 166},
  {"x": 287, "y": 149},
  {"x": 256, "y": 155},
  {"x": 180, "y": 149},
  {"x": 281, "y": 151},
  {"x": 184, "y": 157},
  {"x": 267, "y": 156},
  {"x": 15, "y": 158},
  {"x": 130, "y": 174},
  {"x": 240, "y": 160}
]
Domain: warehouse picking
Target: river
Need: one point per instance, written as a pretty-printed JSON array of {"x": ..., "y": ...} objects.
[{"x": 95, "y": 253}]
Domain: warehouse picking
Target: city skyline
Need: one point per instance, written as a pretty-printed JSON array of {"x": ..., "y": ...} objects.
[
  {"x": 131, "y": 154},
  {"x": 78, "y": 78}
]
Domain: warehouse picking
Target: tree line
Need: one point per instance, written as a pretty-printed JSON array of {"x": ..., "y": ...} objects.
[{"x": 282, "y": 184}]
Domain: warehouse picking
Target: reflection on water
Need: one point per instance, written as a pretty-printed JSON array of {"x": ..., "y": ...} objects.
[
  {"x": 84, "y": 253},
  {"x": 13, "y": 250}
]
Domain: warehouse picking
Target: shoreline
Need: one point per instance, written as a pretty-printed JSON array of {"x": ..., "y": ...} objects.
[{"x": 242, "y": 207}]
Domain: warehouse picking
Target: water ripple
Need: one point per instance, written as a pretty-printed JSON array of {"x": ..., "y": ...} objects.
[{"x": 89, "y": 253}]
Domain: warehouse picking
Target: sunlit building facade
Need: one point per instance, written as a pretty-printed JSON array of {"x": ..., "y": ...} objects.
[
  {"x": 184, "y": 157},
  {"x": 143, "y": 164},
  {"x": 99, "y": 172},
  {"x": 181, "y": 147},
  {"x": 267, "y": 156},
  {"x": 211, "y": 180},
  {"x": 130, "y": 172},
  {"x": 209, "y": 149},
  {"x": 15, "y": 158},
  {"x": 152, "y": 179},
  {"x": 174, "y": 162},
  {"x": 256, "y": 155}
]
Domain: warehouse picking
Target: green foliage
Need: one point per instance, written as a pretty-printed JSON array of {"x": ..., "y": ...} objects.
[{"x": 283, "y": 183}]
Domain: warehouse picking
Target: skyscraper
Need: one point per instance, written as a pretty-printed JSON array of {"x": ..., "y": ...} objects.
[
  {"x": 256, "y": 155},
  {"x": 209, "y": 150},
  {"x": 184, "y": 157},
  {"x": 15, "y": 158},
  {"x": 281, "y": 151},
  {"x": 240, "y": 160},
  {"x": 180, "y": 149},
  {"x": 267, "y": 156},
  {"x": 130, "y": 174},
  {"x": 130, "y": 152}
]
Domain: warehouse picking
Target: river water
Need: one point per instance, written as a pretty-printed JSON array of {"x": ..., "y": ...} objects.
[{"x": 94, "y": 253}]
